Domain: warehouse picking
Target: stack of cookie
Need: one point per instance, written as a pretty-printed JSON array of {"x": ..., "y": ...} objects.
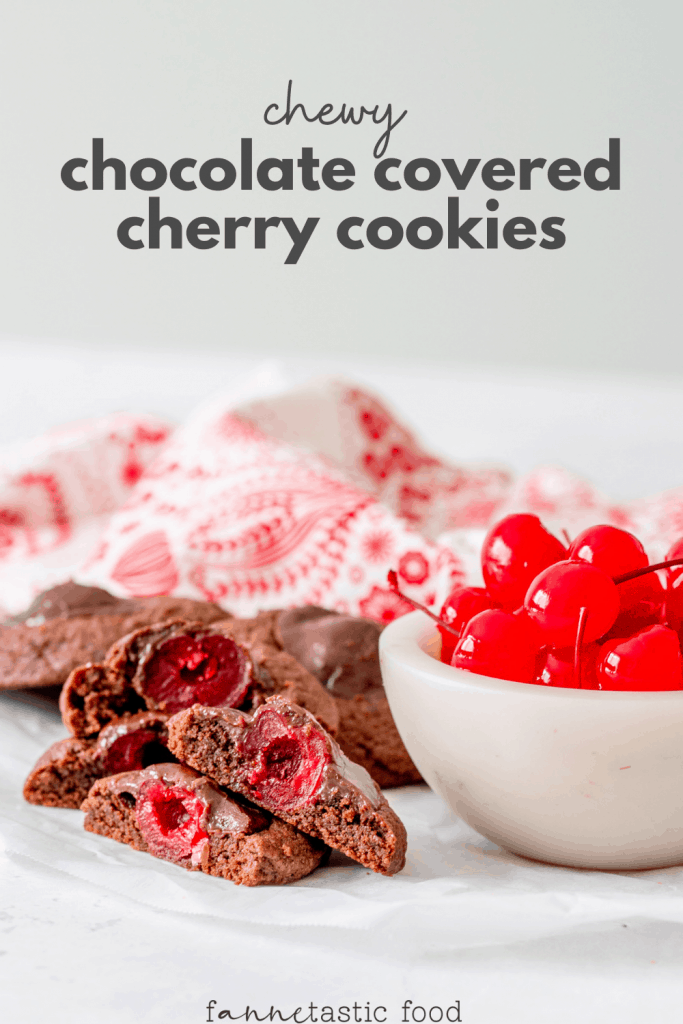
[{"x": 209, "y": 741}]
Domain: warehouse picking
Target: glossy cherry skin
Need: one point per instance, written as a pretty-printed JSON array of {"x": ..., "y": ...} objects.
[
  {"x": 499, "y": 644},
  {"x": 459, "y": 607},
  {"x": 650, "y": 660},
  {"x": 555, "y": 599},
  {"x": 515, "y": 550},
  {"x": 609, "y": 548},
  {"x": 618, "y": 551},
  {"x": 642, "y": 603},
  {"x": 674, "y": 588},
  {"x": 556, "y": 667}
]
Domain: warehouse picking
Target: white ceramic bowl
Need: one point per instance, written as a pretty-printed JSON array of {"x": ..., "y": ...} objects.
[{"x": 577, "y": 777}]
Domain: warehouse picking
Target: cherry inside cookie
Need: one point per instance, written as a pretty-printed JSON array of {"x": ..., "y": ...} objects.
[
  {"x": 133, "y": 751},
  {"x": 286, "y": 764},
  {"x": 170, "y": 819},
  {"x": 186, "y": 670}
]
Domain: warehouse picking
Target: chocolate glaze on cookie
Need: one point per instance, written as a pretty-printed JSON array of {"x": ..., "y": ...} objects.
[
  {"x": 340, "y": 650},
  {"x": 70, "y": 625},
  {"x": 72, "y": 600}
]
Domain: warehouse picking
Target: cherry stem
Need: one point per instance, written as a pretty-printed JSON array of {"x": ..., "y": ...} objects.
[
  {"x": 392, "y": 579},
  {"x": 635, "y": 573},
  {"x": 580, "y": 629},
  {"x": 566, "y": 537}
]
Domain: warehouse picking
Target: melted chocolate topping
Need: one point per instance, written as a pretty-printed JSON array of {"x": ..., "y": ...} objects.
[
  {"x": 223, "y": 812},
  {"x": 72, "y": 600},
  {"x": 341, "y": 651}
]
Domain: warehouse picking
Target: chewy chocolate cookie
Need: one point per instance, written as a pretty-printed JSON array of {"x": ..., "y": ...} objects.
[
  {"x": 173, "y": 665},
  {"x": 178, "y": 815},
  {"x": 341, "y": 652},
  {"x": 71, "y": 624},
  {"x": 64, "y": 774},
  {"x": 281, "y": 759}
]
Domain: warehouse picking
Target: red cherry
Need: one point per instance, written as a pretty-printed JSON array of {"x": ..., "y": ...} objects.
[
  {"x": 134, "y": 750},
  {"x": 616, "y": 552},
  {"x": 555, "y": 599},
  {"x": 609, "y": 548},
  {"x": 643, "y": 603},
  {"x": 515, "y": 550},
  {"x": 186, "y": 670},
  {"x": 557, "y": 667},
  {"x": 170, "y": 819},
  {"x": 458, "y": 608},
  {"x": 674, "y": 588},
  {"x": 499, "y": 644},
  {"x": 287, "y": 764},
  {"x": 650, "y": 660}
]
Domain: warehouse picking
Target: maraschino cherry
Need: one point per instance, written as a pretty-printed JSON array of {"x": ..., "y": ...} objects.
[
  {"x": 609, "y": 548},
  {"x": 650, "y": 660},
  {"x": 133, "y": 751},
  {"x": 186, "y": 670},
  {"x": 287, "y": 764},
  {"x": 643, "y": 603},
  {"x": 617, "y": 551},
  {"x": 515, "y": 550},
  {"x": 605, "y": 591},
  {"x": 171, "y": 820},
  {"x": 674, "y": 588},
  {"x": 461, "y": 604},
  {"x": 555, "y": 599},
  {"x": 500, "y": 644},
  {"x": 557, "y": 667}
]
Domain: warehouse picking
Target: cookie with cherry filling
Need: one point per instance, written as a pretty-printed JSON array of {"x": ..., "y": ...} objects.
[
  {"x": 172, "y": 665},
  {"x": 71, "y": 624},
  {"x": 176, "y": 814},
  {"x": 64, "y": 774},
  {"x": 282, "y": 759}
]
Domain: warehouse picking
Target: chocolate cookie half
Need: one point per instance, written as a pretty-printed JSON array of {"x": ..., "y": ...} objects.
[
  {"x": 281, "y": 759},
  {"x": 178, "y": 815},
  {"x": 72, "y": 624},
  {"x": 173, "y": 665}
]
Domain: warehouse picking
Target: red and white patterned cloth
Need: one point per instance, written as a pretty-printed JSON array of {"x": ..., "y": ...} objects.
[
  {"x": 57, "y": 493},
  {"x": 307, "y": 495},
  {"x": 294, "y": 499}
]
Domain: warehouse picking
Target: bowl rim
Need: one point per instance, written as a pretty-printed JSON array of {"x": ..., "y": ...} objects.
[{"x": 404, "y": 640}]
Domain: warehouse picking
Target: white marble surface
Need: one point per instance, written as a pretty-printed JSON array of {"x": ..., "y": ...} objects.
[{"x": 73, "y": 950}]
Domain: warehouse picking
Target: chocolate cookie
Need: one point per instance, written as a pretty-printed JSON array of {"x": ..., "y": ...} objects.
[
  {"x": 64, "y": 774},
  {"x": 172, "y": 665},
  {"x": 174, "y": 813},
  {"x": 341, "y": 652},
  {"x": 71, "y": 624},
  {"x": 281, "y": 759}
]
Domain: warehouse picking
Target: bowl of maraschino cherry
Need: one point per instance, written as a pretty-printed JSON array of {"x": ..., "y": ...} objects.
[{"x": 547, "y": 706}]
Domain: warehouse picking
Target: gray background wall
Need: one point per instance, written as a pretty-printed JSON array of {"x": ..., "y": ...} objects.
[{"x": 171, "y": 78}]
